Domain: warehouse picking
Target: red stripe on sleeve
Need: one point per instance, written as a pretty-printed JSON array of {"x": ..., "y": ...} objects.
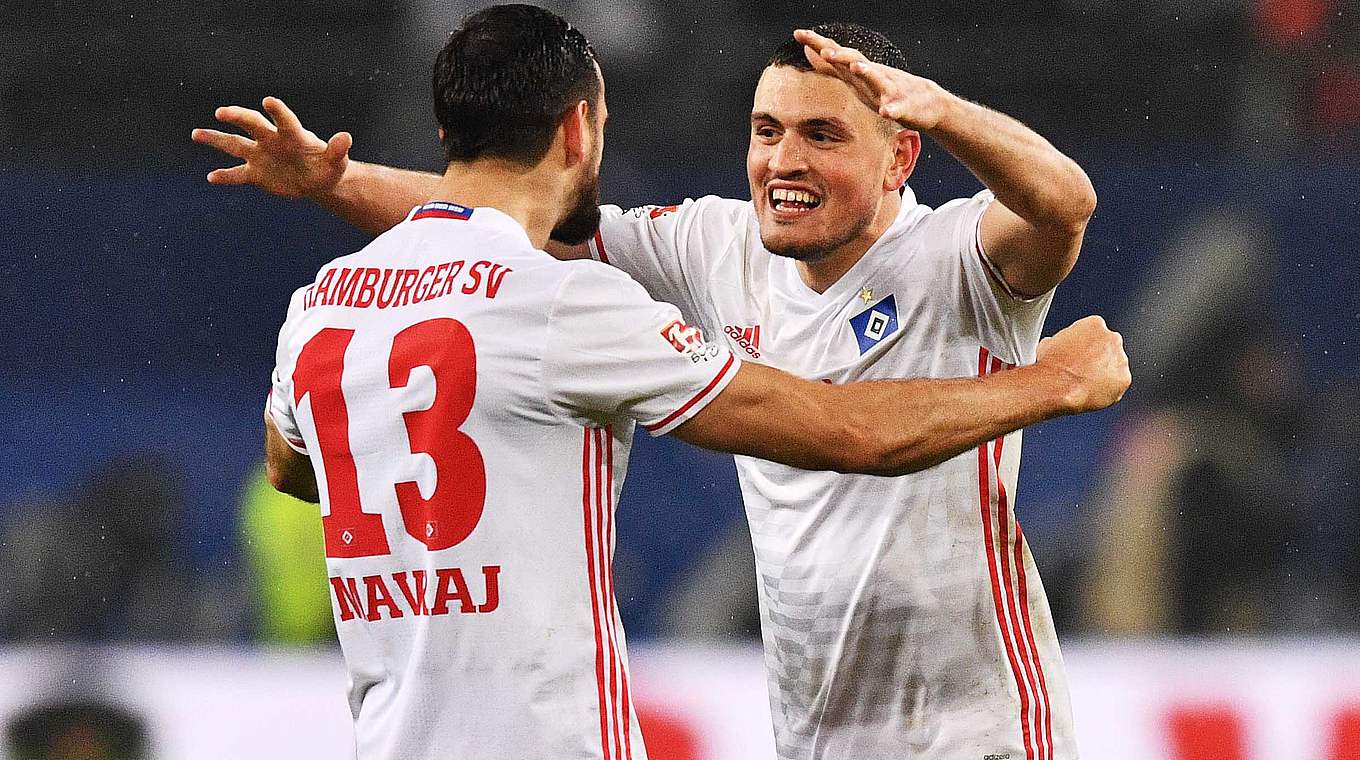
[{"x": 697, "y": 397}]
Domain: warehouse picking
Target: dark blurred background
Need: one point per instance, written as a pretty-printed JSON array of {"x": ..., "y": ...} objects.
[{"x": 1219, "y": 498}]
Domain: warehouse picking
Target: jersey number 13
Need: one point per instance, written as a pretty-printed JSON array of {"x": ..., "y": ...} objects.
[{"x": 454, "y": 508}]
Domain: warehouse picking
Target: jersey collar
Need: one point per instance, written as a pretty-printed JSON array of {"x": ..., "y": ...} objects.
[{"x": 480, "y": 216}]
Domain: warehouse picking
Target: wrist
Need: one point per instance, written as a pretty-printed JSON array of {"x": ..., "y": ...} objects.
[
  {"x": 333, "y": 194},
  {"x": 1058, "y": 390},
  {"x": 948, "y": 109}
]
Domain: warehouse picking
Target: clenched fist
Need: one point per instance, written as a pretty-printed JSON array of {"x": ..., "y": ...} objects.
[{"x": 1088, "y": 359}]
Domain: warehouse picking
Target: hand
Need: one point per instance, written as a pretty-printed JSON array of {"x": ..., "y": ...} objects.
[
  {"x": 282, "y": 158},
  {"x": 912, "y": 101},
  {"x": 1091, "y": 358}
]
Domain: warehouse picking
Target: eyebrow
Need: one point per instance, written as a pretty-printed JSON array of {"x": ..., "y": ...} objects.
[{"x": 829, "y": 122}]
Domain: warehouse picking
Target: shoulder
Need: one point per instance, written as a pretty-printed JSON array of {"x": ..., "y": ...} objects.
[
  {"x": 709, "y": 209},
  {"x": 588, "y": 279},
  {"x": 946, "y": 223}
]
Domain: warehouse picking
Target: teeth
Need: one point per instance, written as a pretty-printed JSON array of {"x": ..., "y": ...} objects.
[{"x": 796, "y": 196}]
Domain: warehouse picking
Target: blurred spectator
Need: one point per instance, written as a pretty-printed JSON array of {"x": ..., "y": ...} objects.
[
  {"x": 77, "y": 730},
  {"x": 103, "y": 565},
  {"x": 286, "y": 559},
  {"x": 1202, "y": 515}
]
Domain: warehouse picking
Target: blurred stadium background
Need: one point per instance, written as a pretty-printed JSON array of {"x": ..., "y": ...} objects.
[{"x": 1200, "y": 543}]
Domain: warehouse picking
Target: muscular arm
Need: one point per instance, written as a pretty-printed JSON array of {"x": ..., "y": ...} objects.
[
  {"x": 894, "y": 427},
  {"x": 1033, "y": 233},
  {"x": 288, "y": 471}
]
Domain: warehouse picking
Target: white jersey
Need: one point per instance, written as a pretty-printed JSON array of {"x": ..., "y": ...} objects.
[
  {"x": 468, "y": 404},
  {"x": 902, "y": 617}
]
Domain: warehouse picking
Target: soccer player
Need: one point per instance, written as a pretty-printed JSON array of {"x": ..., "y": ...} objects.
[{"x": 902, "y": 616}]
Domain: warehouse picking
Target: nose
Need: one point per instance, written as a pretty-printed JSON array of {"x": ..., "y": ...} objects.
[{"x": 787, "y": 157}]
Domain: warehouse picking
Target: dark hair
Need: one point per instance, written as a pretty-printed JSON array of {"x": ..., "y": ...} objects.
[
  {"x": 874, "y": 45},
  {"x": 505, "y": 78}
]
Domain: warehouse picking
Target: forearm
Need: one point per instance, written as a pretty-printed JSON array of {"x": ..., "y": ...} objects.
[
  {"x": 883, "y": 427},
  {"x": 909, "y": 425},
  {"x": 375, "y": 198},
  {"x": 1025, "y": 172}
]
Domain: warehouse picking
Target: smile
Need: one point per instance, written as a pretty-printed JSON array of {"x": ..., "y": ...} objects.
[{"x": 788, "y": 202}]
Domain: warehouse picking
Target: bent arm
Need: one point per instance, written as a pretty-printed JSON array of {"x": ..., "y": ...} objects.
[
  {"x": 895, "y": 427},
  {"x": 882, "y": 427},
  {"x": 1033, "y": 233},
  {"x": 288, "y": 471}
]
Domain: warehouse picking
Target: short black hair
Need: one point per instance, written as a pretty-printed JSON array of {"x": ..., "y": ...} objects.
[
  {"x": 505, "y": 78},
  {"x": 874, "y": 45}
]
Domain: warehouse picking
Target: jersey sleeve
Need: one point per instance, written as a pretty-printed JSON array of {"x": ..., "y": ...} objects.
[
  {"x": 279, "y": 404},
  {"x": 613, "y": 353},
  {"x": 665, "y": 248},
  {"x": 1003, "y": 316}
]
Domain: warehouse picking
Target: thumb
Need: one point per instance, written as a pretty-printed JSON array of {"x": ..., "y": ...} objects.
[{"x": 338, "y": 146}]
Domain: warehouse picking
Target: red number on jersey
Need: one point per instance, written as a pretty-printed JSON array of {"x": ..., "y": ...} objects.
[
  {"x": 452, "y": 511},
  {"x": 455, "y": 506},
  {"x": 349, "y": 531}
]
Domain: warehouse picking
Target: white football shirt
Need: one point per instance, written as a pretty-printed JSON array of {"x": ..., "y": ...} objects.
[
  {"x": 468, "y": 405},
  {"x": 902, "y": 617}
]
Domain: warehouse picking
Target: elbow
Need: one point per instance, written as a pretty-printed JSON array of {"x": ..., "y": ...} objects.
[
  {"x": 1080, "y": 205},
  {"x": 278, "y": 477},
  {"x": 295, "y": 484}
]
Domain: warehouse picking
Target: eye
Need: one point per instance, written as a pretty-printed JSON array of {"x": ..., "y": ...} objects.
[
  {"x": 821, "y": 137},
  {"x": 767, "y": 132}
]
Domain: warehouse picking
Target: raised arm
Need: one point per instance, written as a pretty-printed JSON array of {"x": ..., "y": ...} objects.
[
  {"x": 1033, "y": 233},
  {"x": 894, "y": 427},
  {"x": 286, "y": 159}
]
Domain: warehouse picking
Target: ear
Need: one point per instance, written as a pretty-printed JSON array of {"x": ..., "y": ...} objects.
[
  {"x": 576, "y": 133},
  {"x": 906, "y": 149}
]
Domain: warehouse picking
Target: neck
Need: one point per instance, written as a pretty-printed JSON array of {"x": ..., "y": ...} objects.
[
  {"x": 525, "y": 194},
  {"x": 826, "y": 271}
]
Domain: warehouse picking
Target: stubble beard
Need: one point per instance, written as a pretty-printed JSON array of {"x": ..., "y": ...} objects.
[
  {"x": 580, "y": 224},
  {"x": 815, "y": 250}
]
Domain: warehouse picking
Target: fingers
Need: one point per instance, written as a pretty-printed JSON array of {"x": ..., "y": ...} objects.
[
  {"x": 283, "y": 116},
  {"x": 233, "y": 145},
  {"x": 250, "y": 121},
  {"x": 876, "y": 74},
  {"x": 338, "y": 146},
  {"x": 819, "y": 64},
  {"x": 819, "y": 48},
  {"x": 235, "y": 175}
]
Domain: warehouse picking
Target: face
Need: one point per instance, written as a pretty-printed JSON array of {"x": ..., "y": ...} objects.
[
  {"x": 820, "y": 164},
  {"x": 583, "y": 218}
]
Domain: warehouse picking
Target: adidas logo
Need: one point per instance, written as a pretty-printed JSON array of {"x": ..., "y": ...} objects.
[{"x": 746, "y": 337}]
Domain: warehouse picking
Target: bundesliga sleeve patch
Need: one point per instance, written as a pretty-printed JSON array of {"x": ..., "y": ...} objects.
[{"x": 874, "y": 324}]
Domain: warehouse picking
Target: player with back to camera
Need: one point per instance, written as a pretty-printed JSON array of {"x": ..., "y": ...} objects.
[{"x": 902, "y": 616}]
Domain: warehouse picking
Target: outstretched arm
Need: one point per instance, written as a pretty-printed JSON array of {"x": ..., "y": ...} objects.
[
  {"x": 284, "y": 158},
  {"x": 894, "y": 427},
  {"x": 1033, "y": 233}
]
